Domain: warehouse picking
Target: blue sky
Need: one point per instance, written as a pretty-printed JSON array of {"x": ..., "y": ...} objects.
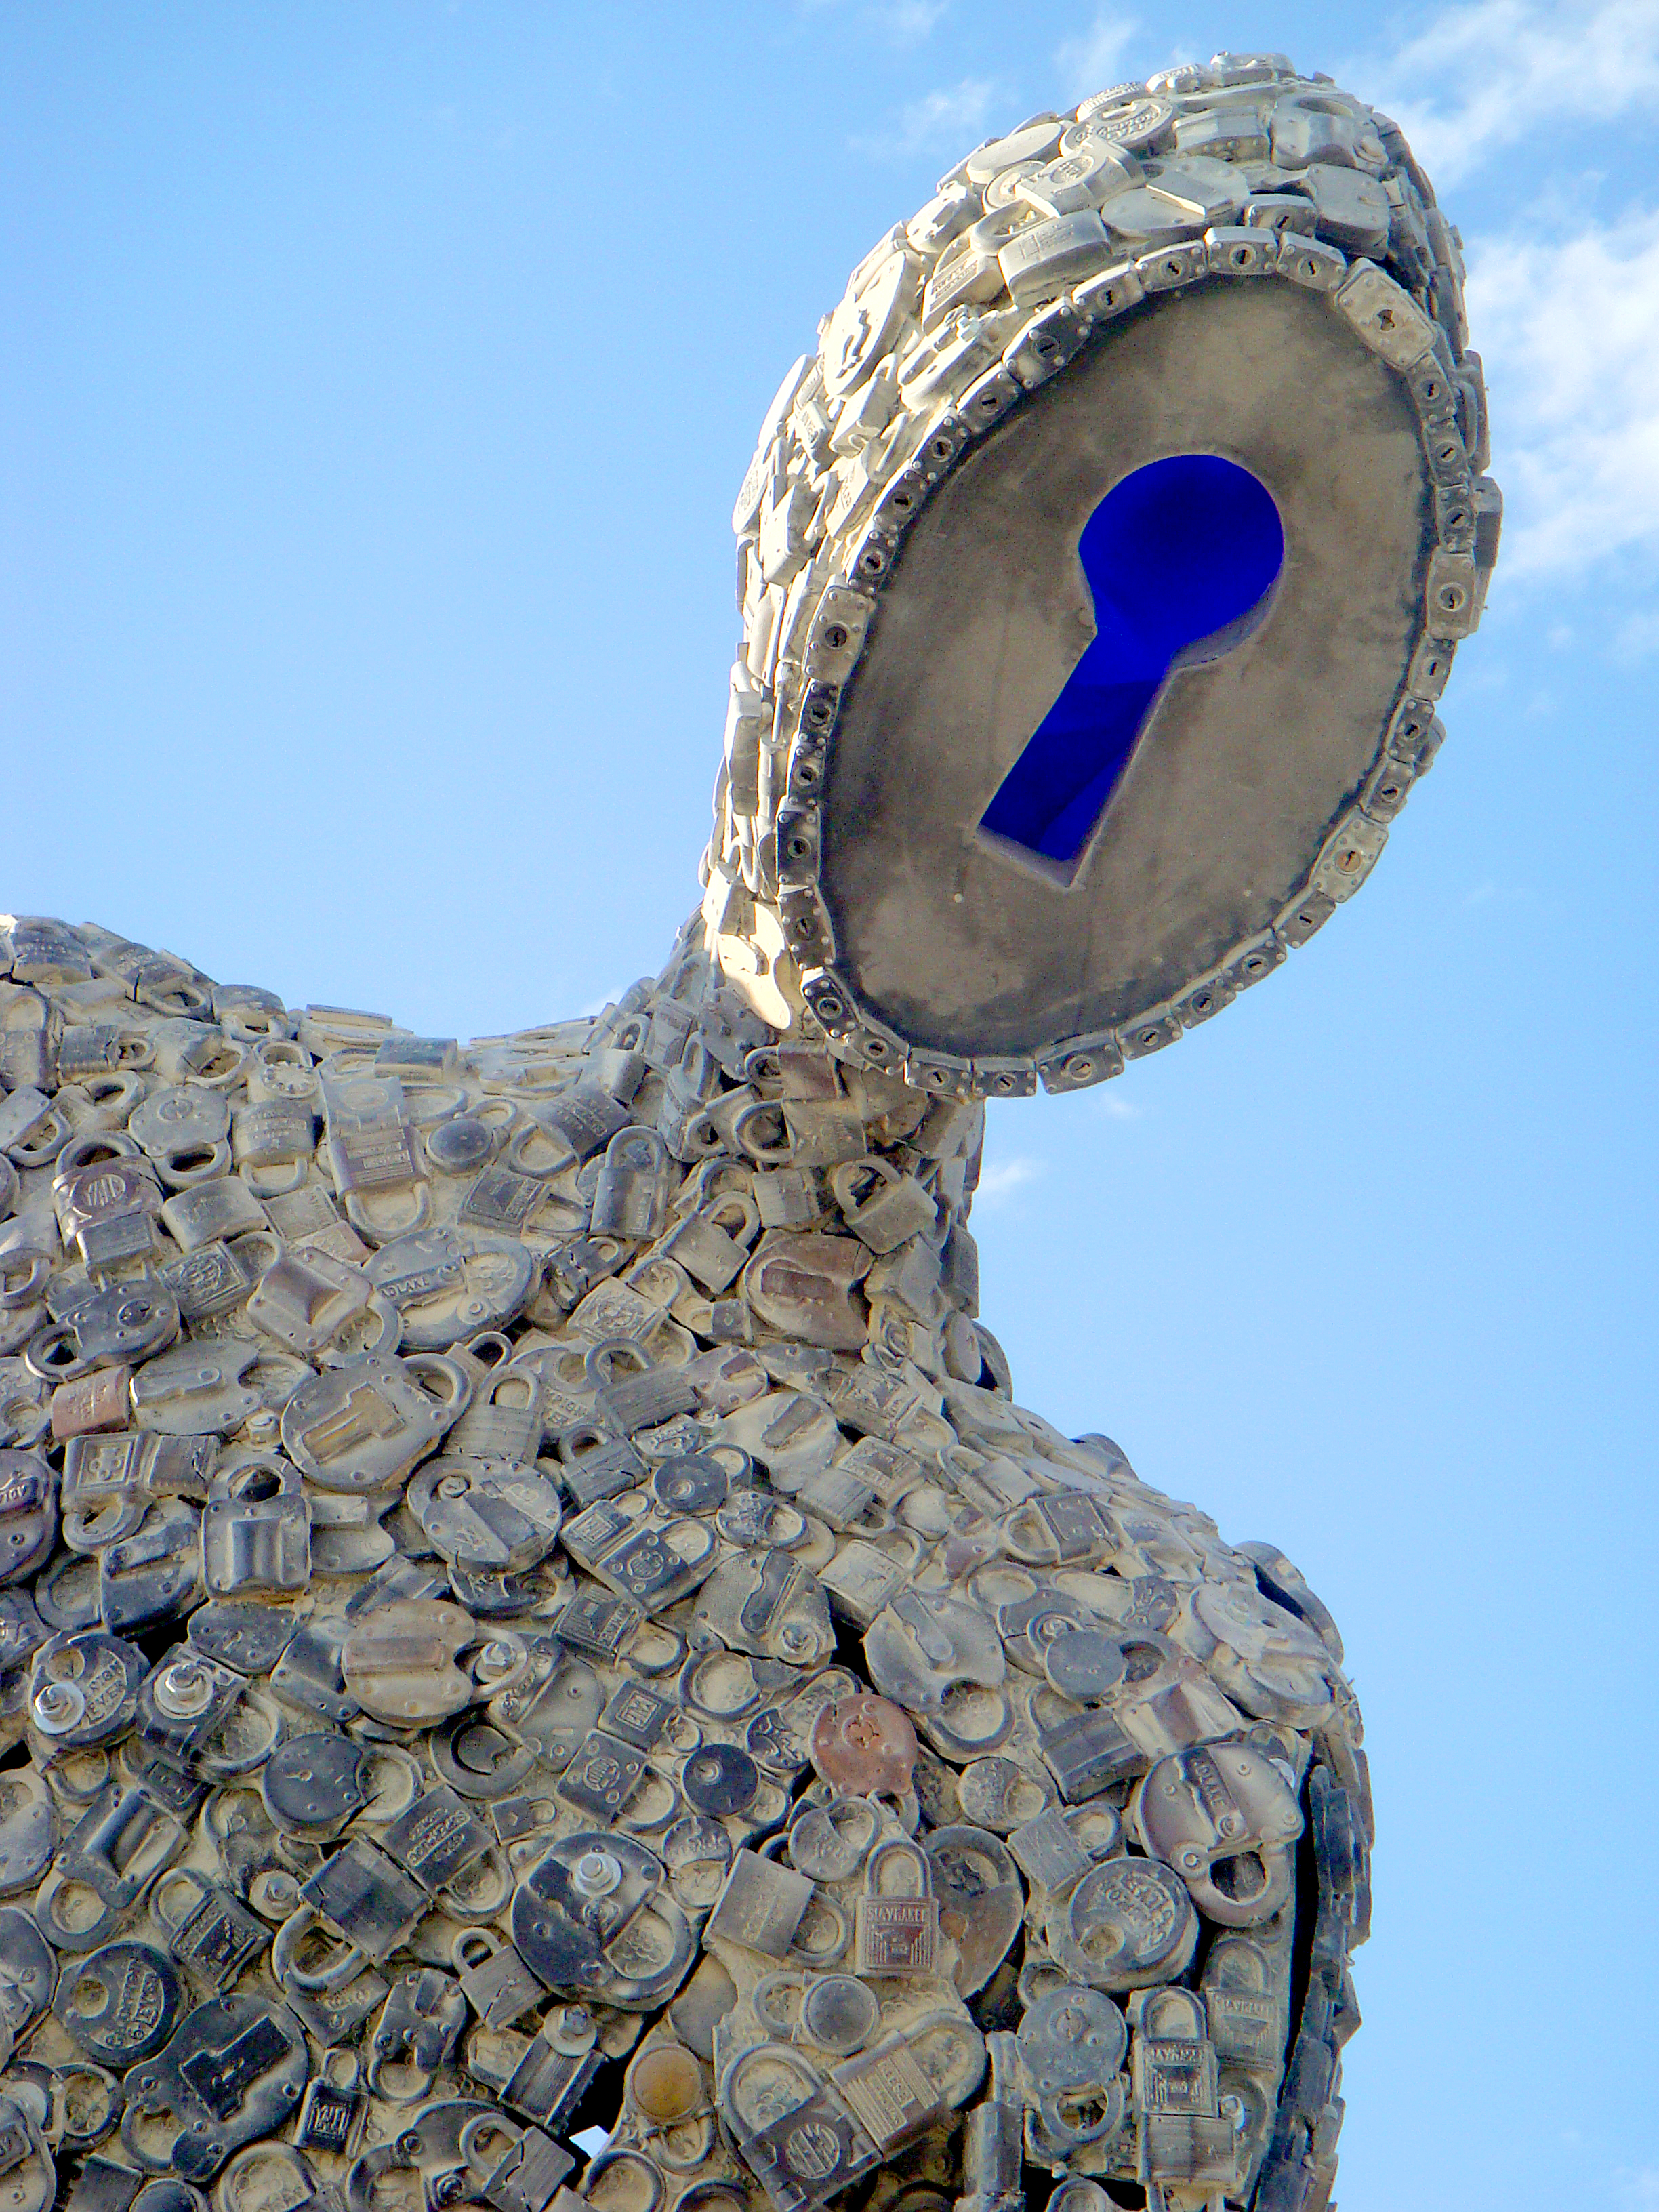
[{"x": 377, "y": 382}]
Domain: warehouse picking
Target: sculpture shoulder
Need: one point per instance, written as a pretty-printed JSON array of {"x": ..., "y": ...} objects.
[{"x": 621, "y": 1381}]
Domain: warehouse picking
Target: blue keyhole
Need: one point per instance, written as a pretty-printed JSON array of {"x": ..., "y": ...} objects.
[{"x": 1182, "y": 558}]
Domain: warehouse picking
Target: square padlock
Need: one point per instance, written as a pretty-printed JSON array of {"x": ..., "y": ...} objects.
[{"x": 896, "y": 1932}]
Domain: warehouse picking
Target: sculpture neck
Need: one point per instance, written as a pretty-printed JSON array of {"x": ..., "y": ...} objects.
[{"x": 841, "y": 1194}]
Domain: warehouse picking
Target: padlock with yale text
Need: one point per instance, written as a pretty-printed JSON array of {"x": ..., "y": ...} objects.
[
  {"x": 897, "y": 1925},
  {"x": 1223, "y": 1815}
]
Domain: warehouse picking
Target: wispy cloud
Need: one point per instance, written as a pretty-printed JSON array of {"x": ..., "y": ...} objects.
[
  {"x": 908, "y": 22},
  {"x": 1636, "y": 2190},
  {"x": 1568, "y": 328},
  {"x": 902, "y": 22},
  {"x": 948, "y": 120},
  {"x": 1512, "y": 70},
  {"x": 1090, "y": 62},
  {"x": 1115, "y": 1107},
  {"x": 1000, "y": 1181}
]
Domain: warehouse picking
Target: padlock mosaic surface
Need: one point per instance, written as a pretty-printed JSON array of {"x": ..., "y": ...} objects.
[{"x": 527, "y": 1600}]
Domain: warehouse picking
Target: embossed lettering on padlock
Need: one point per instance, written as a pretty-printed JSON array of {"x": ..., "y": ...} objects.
[
  {"x": 1225, "y": 1818},
  {"x": 1126, "y": 1924},
  {"x": 897, "y": 1914}
]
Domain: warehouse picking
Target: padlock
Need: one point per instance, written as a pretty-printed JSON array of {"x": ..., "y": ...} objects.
[
  {"x": 505, "y": 1419},
  {"x": 766, "y": 1603},
  {"x": 1268, "y": 1661},
  {"x": 331, "y": 2115},
  {"x": 1185, "y": 2139},
  {"x": 593, "y": 1917},
  {"x": 28, "y": 1970},
  {"x": 1127, "y": 1924},
  {"x": 419, "y": 2026},
  {"x": 154, "y": 1574},
  {"x": 1244, "y": 1989},
  {"x": 185, "y": 1131},
  {"x": 33, "y": 1131},
  {"x": 883, "y": 1208},
  {"x": 321, "y": 1309},
  {"x": 26, "y": 1055},
  {"x": 28, "y": 1514},
  {"x": 127, "y": 1324},
  {"x": 218, "y": 1210},
  {"x": 485, "y": 1516},
  {"x": 801, "y": 2142},
  {"x": 120, "y": 1842},
  {"x": 944, "y": 1662},
  {"x": 30, "y": 2177},
  {"x": 643, "y": 1395},
  {"x": 631, "y": 1196},
  {"x": 198, "y": 1389},
  {"x": 256, "y": 1529},
  {"x": 207, "y": 1929},
  {"x": 494, "y": 1979},
  {"x": 234, "y": 2067},
  {"x": 449, "y": 1284},
  {"x": 651, "y": 1562},
  {"x": 712, "y": 1244},
  {"x": 364, "y": 1426},
  {"x": 26, "y": 1840},
  {"x": 896, "y": 1929},
  {"x": 1072, "y": 2042},
  {"x": 1224, "y": 1817},
  {"x": 374, "y": 1157},
  {"x": 121, "y": 2001},
  {"x": 805, "y": 1287},
  {"x": 400, "y": 1665},
  {"x": 83, "y": 1690},
  {"x": 186, "y": 1705},
  {"x": 981, "y": 1903}
]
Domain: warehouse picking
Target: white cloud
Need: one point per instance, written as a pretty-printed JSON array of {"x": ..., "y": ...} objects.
[
  {"x": 908, "y": 22},
  {"x": 1116, "y": 1107},
  {"x": 905, "y": 22},
  {"x": 1512, "y": 70},
  {"x": 1007, "y": 1177},
  {"x": 948, "y": 120},
  {"x": 1090, "y": 62},
  {"x": 1636, "y": 2192},
  {"x": 1569, "y": 331}
]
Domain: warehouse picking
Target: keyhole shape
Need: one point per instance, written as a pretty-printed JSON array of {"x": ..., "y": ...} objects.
[{"x": 1182, "y": 558}]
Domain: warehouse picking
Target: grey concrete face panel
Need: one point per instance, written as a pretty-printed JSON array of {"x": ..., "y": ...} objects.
[{"x": 1244, "y": 765}]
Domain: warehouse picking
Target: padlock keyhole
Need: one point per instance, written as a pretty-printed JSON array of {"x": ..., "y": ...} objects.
[{"x": 1180, "y": 558}]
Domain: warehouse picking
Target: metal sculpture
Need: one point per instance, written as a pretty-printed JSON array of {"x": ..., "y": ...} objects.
[{"x": 528, "y": 1598}]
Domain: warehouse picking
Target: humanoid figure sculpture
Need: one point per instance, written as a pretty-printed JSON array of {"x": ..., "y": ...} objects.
[{"x": 528, "y": 1598}]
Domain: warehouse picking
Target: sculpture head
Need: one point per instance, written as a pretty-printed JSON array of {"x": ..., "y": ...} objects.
[{"x": 1099, "y": 574}]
